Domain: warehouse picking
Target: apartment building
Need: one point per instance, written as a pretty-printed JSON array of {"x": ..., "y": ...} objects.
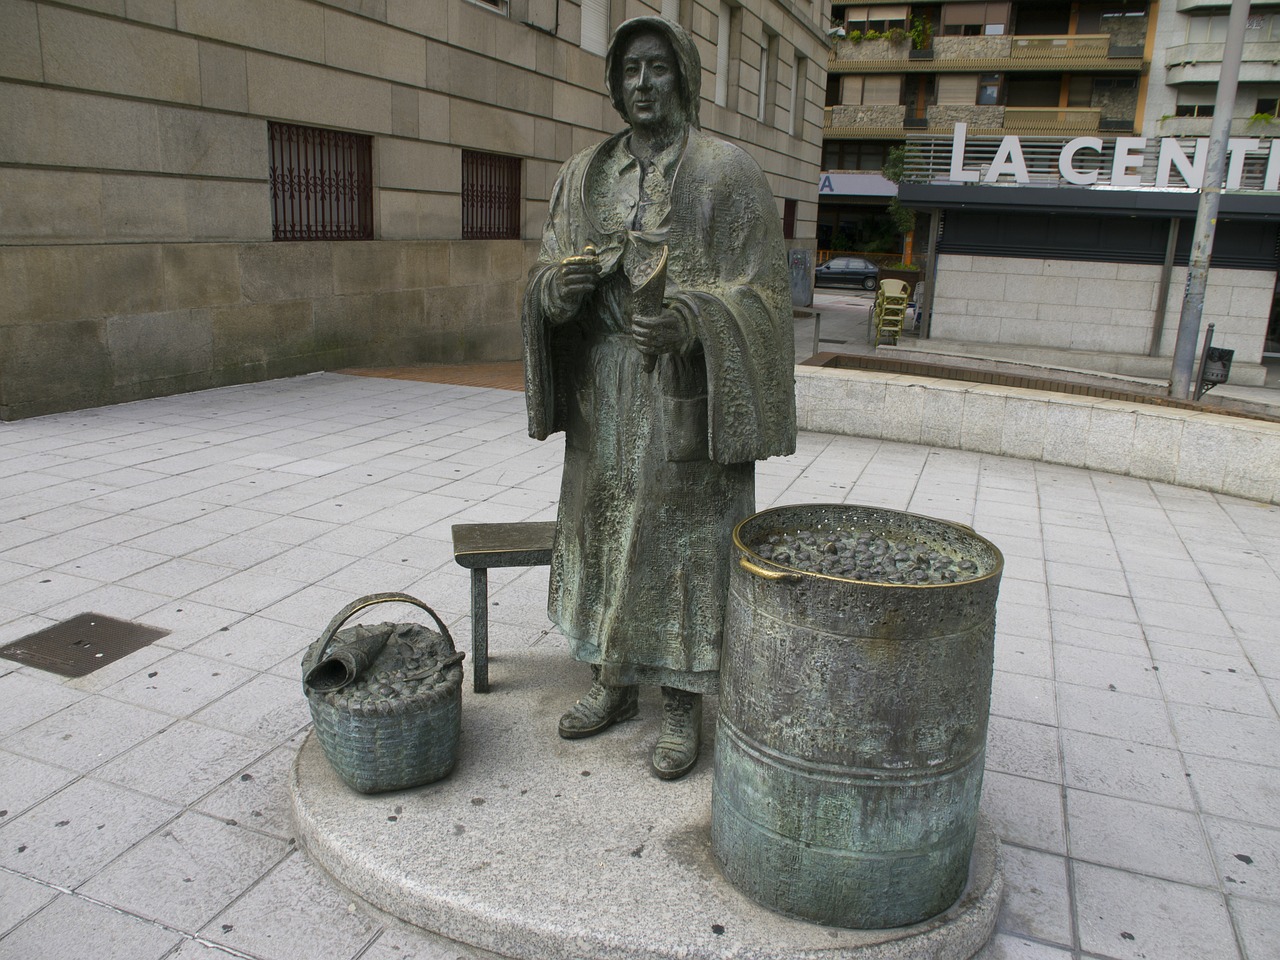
[
  {"x": 197, "y": 193},
  {"x": 1053, "y": 154}
]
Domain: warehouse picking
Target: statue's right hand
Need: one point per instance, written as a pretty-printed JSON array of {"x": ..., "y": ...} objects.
[{"x": 574, "y": 278}]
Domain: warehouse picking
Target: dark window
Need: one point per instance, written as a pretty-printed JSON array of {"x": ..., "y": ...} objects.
[
  {"x": 989, "y": 88},
  {"x": 1193, "y": 110},
  {"x": 1269, "y": 105},
  {"x": 833, "y": 90},
  {"x": 853, "y": 155},
  {"x": 788, "y": 219},
  {"x": 490, "y": 196},
  {"x": 321, "y": 184}
]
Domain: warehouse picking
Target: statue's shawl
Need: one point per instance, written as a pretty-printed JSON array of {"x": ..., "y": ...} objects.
[{"x": 727, "y": 264}]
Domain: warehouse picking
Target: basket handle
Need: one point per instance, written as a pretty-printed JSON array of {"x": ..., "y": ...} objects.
[{"x": 373, "y": 599}]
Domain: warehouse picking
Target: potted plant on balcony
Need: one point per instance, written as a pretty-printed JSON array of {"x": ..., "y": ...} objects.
[{"x": 921, "y": 32}]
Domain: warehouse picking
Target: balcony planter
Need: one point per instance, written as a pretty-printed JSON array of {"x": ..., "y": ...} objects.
[{"x": 881, "y": 49}]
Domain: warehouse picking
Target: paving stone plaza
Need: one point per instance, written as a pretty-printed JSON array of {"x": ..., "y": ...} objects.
[{"x": 1133, "y": 762}]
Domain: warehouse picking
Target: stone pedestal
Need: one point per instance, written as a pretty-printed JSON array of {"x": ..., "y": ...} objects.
[{"x": 542, "y": 848}]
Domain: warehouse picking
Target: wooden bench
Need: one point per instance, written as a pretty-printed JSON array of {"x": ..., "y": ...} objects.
[{"x": 479, "y": 546}]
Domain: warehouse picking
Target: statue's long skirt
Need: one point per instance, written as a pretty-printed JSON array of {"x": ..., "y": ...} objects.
[{"x": 639, "y": 572}]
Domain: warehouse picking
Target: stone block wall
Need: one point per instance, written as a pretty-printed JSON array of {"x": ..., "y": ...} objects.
[
  {"x": 1078, "y": 305},
  {"x": 135, "y": 240},
  {"x": 93, "y": 324}
]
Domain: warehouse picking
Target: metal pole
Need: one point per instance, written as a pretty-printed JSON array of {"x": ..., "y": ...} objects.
[{"x": 1184, "y": 352}]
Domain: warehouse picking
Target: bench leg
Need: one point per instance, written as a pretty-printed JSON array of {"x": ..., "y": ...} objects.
[{"x": 480, "y": 630}]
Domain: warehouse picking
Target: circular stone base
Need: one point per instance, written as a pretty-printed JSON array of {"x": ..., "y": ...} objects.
[{"x": 540, "y": 848}]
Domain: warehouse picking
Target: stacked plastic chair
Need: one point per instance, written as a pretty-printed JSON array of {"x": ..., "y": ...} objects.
[{"x": 890, "y": 311}]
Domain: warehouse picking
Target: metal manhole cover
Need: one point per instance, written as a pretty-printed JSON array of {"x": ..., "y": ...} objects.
[{"x": 81, "y": 645}]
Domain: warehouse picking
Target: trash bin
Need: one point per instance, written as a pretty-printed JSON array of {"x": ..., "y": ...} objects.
[
  {"x": 853, "y": 716},
  {"x": 801, "y": 264}
]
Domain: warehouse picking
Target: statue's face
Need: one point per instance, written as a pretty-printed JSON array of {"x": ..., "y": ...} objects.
[{"x": 651, "y": 83}]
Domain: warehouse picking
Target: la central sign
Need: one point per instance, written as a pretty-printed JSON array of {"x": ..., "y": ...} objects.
[{"x": 1127, "y": 161}]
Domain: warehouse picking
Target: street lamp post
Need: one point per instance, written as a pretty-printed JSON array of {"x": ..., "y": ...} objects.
[{"x": 1184, "y": 351}]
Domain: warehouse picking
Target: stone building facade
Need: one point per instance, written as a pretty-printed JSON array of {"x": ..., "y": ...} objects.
[{"x": 139, "y": 140}]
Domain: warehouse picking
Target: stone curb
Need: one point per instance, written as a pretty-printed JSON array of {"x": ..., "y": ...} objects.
[{"x": 1206, "y": 451}]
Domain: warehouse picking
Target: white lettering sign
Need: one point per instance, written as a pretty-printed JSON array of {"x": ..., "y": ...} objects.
[
  {"x": 958, "y": 173},
  {"x": 1128, "y": 159}
]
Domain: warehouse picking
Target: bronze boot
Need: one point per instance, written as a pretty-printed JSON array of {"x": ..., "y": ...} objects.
[
  {"x": 600, "y": 709},
  {"x": 677, "y": 749}
]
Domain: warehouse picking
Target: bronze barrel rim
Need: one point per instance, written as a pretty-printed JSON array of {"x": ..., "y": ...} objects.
[{"x": 772, "y": 570}]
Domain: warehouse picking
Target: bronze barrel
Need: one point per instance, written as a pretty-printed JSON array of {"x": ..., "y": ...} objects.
[{"x": 852, "y": 725}]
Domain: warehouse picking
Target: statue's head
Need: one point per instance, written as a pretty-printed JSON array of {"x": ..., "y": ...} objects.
[{"x": 644, "y": 39}]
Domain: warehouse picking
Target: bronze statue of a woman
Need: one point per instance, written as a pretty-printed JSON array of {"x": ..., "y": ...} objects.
[{"x": 658, "y": 337}]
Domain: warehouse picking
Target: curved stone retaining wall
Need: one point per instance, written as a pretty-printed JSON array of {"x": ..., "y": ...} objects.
[{"x": 1207, "y": 451}]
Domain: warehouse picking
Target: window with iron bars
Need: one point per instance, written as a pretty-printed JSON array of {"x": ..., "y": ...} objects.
[
  {"x": 490, "y": 196},
  {"x": 321, "y": 184}
]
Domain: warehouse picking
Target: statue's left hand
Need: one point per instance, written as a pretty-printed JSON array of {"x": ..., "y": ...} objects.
[{"x": 664, "y": 333}]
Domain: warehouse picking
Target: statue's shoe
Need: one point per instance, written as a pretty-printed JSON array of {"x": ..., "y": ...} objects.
[
  {"x": 676, "y": 751},
  {"x": 599, "y": 710}
]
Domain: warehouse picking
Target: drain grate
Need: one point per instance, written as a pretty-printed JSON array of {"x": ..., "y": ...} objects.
[{"x": 81, "y": 645}]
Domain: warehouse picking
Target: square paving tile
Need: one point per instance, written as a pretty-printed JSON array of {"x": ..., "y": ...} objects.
[
  {"x": 1036, "y": 903},
  {"x": 29, "y": 699},
  {"x": 65, "y": 927},
  {"x": 1125, "y": 768},
  {"x": 1248, "y": 857},
  {"x": 1132, "y": 917},
  {"x": 68, "y": 837},
  {"x": 87, "y": 734},
  {"x": 1258, "y": 925},
  {"x": 258, "y": 798},
  {"x": 1139, "y": 837},
  {"x": 1220, "y": 690},
  {"x": 187, "y": 873},
  {"x": 320, "y": 922},
  {"x": 21, "y": 898},
  {"x": 268, "y": 708},
  {"x": 1228, "y": 736},
  {"x": 255, "y": 643},
  {"x": 1025, "y": 812},
  {"x": 25, "y": 782},
  {"x": 1023, "y": 749},
  {"x": 183, "y": 763},
  {"x": 1032, "y": 658},
  {"x": 247, "y": 591},
  {"x": 179, "y": 684},
  {"x": 1106, "y": 671},
  {"x": 1113, "y": 714},
  {"x": 1014, "y": 695},
  {"x": 1243, "y": 791}
]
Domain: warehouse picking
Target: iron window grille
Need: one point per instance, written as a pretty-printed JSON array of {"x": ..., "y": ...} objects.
[
  {"x": 490, "y": 196},
  {"x": 321, "y": 184}
]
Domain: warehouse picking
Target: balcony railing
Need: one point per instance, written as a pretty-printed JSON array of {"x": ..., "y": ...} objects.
[
  {"x": 840, "y": 124},
  {"x": 996, "y": 53},
  {"x": 1058, "y": 47},
  {"x": 1066, "y": 119}
]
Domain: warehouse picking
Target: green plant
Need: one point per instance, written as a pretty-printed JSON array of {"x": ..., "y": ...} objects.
[
  {"x": 895, "y": 162},
  {"x": 899, "y": 265},
  {"x": 897, "y": 35},
  {"x": 854, "y": 36},
  {"x": 904, "y": 218},
  {"x": 1261, "y": 120},
  {"x": 921, "y": 31},
  {"x": 841, "y": 241},
  {"x": 873, "y": 35}
]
